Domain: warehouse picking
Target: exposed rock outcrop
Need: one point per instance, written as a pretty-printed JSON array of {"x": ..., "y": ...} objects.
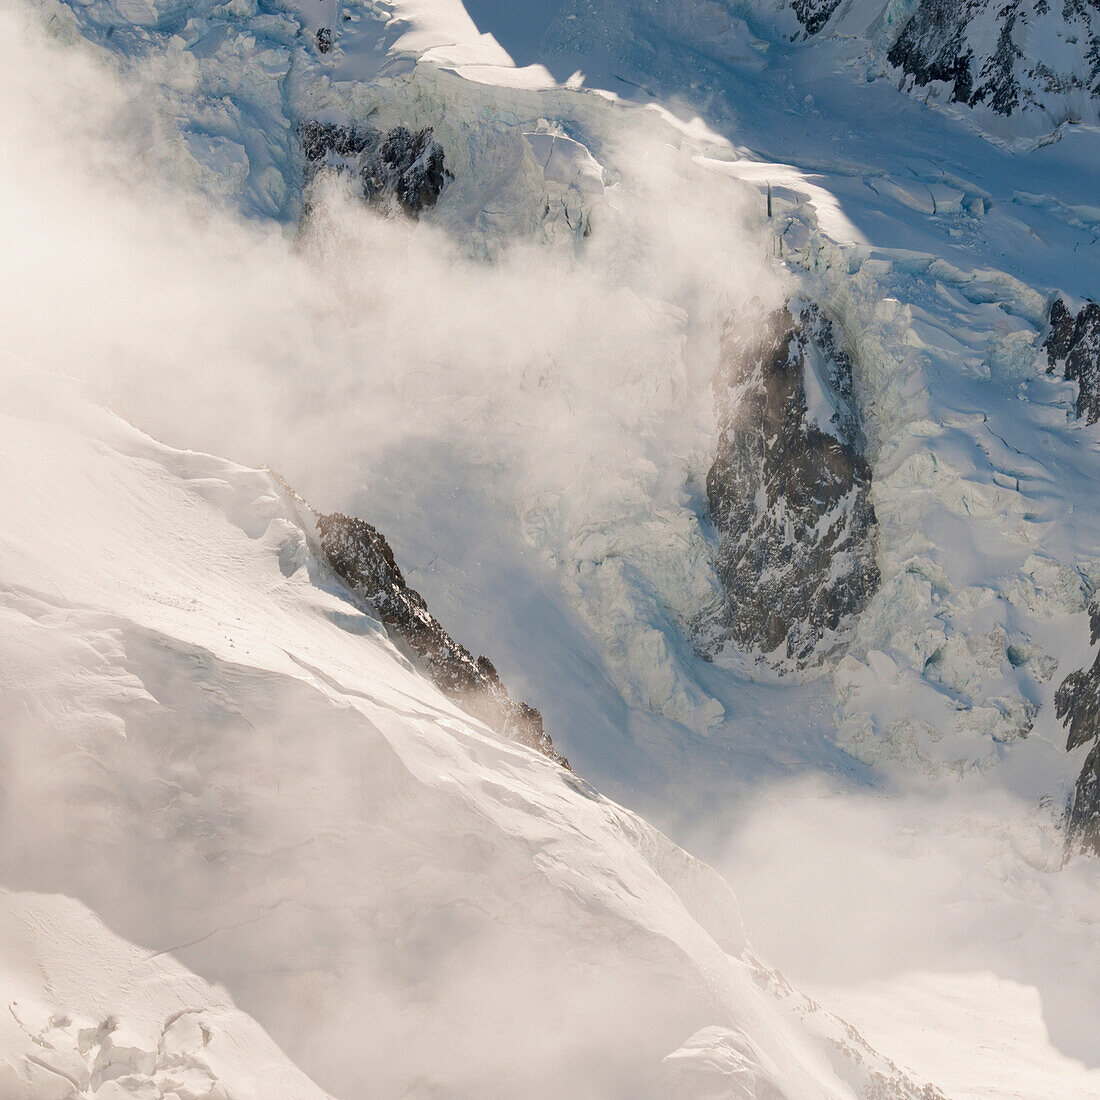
[
  {"x": 1084, "y": 817},
  {"x": 790, "y": 488},
  {"x": 1077, "y": 703},
  {"x": 405, "y": 166},
  {"x": 1073, "y": 348},
  {"x": 362, "y": 558},
  {"x": 1009, "y": 55},
  {"x": 814, "y": 14}
]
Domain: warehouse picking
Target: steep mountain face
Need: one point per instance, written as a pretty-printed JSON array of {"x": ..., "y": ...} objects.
[
  {"x": 402, "y": 165},
  {"x": 360, "y": 555},
  {"x": 237, "y": 733},
  {"x": 814, "y": 14},
  {"x": 1010, "y": 57},
  {"x": 790, "y": 488},
  {"x": 1078, "y": 705},
  {"x": 231, "y": 763},
  {"x": 1007, "y": 56},
  {"x": 1073, "y": 349},
  {"x": 1084, "y": 817}
]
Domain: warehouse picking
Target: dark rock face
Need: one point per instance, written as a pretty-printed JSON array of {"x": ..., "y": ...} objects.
[
  {"x": 403, "y": 165},
  {"x": 1073, "y": 347},
  {"x": 814, "y": 14},
  {"x": 1077, "y": 704},
  {"x": 981, "y": 49},
  {"x": 933, "y": 46},
  {"x": 361, "y": 557},
  {"x": 790, "y": 489}
]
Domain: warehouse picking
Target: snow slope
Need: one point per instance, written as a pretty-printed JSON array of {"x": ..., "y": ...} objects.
[
  {"x": 1024, "y": 67},
  {"x": 936, "y": 252},
  {"x": 548, "y": 497},
  {"x": 987, "y": 1038},
  {"x": 91, "y": 1015},
  {"x": 211, "y": 746}
]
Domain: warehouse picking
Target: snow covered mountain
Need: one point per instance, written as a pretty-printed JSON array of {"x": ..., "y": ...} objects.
[
  {"x": 1011, "y": 57},
  {"x": 91, "y": 1015},
  {"x": 232, "y": 763},
  {"x": 726, "y": 372},
  {"x": 1023, "y": 57}
]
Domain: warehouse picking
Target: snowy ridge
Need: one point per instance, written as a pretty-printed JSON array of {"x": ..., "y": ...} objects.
[
  {"x": 949, "y": 342},
  {"x": 362, "y": 558},
  {"x": 273, "y": 771},
  {"x": 772, "y": 165}
]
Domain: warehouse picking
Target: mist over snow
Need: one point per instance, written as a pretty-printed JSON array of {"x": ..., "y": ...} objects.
[
  {"x": 571, "y": 382},
  {"x": 953, "y": 935},
  {"x": 249, "y": 850}
]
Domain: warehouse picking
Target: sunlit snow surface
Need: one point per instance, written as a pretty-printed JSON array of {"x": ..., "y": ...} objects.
[
  {"x": 208, "y": 744},
  {"x": 534, "y": 445}
]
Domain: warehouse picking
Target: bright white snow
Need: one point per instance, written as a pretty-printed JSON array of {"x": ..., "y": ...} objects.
[{"x": 532, "y": 435}]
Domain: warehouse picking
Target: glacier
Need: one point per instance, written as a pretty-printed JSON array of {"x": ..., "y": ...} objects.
[{"x": 517, "y": 389}]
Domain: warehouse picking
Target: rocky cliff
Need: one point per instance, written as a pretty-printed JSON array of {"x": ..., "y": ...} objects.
[
  {"x": 814, "y": 14},
  {"x": 790, "y": 488},
  {"x": 1078, "y": 705},
  {"x": 1012, "y": 56},
  {"x": 362, "y": 558},
  {"x": 402, "y": 165},
  {"x": 1073, "y": 348}
]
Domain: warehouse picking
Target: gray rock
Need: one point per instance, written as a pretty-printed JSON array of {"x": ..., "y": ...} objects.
[
  {"x": 1073, "y": 348},
  {"x": 988, "y": 52},
  {"x": 362, "y": 558},
  {"x": 814, "y": 14},
  {"x": 790, "y": 489},
  {"x": 1077, "y": 704},
  {"x": 403, "y": 165},
  {"x": 1084, "y": 818}
]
